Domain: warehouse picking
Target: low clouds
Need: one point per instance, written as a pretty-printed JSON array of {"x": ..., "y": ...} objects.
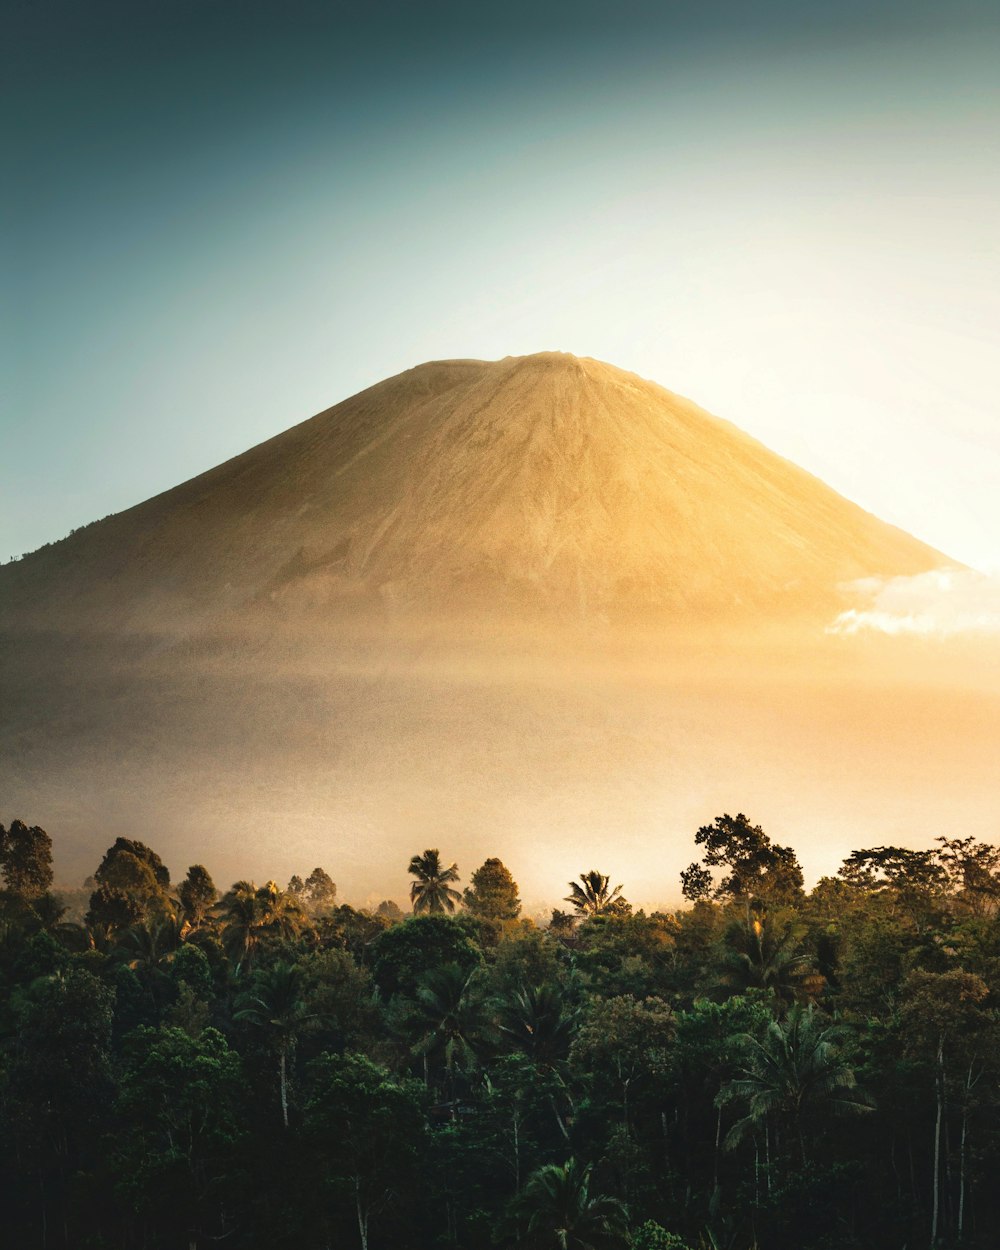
[{"x": 944, "y": 603}]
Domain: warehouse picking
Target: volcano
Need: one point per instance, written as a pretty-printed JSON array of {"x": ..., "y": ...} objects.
[
  {"x": 497, "y": 603},
  {"x": 543, "y": 483}
]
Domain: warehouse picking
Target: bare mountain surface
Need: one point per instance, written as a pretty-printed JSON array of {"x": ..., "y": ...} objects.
[
  {"x": 537, "y": 483},
  {"x": 537, "y": 607}
]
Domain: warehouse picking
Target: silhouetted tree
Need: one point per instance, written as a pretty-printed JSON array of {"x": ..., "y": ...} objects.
[
  {"x": 319, "y": 893},
  {"x": 432, "y": 890},
  {"x": 25, "y": 860},
  {"x": 492, "y": 894},
  {"x": 197, "y": 894},
  {"x": 757, "y": 868},
  {"x": 593, "y": 896}
]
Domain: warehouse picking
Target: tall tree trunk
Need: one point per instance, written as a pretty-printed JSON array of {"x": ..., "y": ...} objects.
[
  {"x": 939, "y": 1090},
  {"x": 767, "y": 1156},
  {"x": 362, "y": 1215},
  {"x": 283, "y": 1075},
  {"x": 517, "y": 1154},
  {"x": 715, "y": 1159},
  {"x": 559, "y": 1119},
  {"x": 962, "y": 1151}
]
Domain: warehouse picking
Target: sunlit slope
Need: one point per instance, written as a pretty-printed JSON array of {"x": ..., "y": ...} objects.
[{"x": 541, "y": 483}]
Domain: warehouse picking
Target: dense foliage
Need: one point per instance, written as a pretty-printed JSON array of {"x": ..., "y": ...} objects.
[{"x": 766, "y": 1068}]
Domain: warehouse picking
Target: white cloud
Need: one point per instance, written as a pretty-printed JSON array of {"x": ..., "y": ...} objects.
[{"x": 942, "y": 602}]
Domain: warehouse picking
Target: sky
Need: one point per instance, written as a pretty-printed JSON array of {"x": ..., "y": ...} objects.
[{"x": 225, "y": 216}]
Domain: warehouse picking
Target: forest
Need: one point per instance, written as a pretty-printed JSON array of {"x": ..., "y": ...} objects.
[{"x": 764, "y": 1068}]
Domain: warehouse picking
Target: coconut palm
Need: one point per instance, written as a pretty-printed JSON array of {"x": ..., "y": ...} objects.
[
  {"x": 563, "y": 1213},
  {"x": 432, "y": 890},
  {"x": 793, "y": 1072},
  {"x": 277, "y": 1004},
  {"x": 763, "y": 951},
  {"x": 594, "y": 896},
  {"x": 536, "y": 1021},
  {"x": 251, "y": 914},
  {"x": 448, "y": 1019}
]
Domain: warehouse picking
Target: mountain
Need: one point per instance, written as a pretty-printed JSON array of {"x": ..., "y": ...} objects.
[
  {"x": 510, "y": 607},
  {"x": 541, "y": 483}
]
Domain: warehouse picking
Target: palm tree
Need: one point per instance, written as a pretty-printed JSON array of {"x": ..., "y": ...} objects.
[
  {"x": 432, "y": 891},
  {"x": 794, "y": 1071},
  {"x": 763, "y": 951},
  {"x": 251, "y": 914},
  {"x": 536, "y": 1022},
  {"x": 276, "y": 1003},
  {"x": 594, "y": 897},
  {"x": 448, "y": 1018},
  {"x": 563, "y": 1214}
]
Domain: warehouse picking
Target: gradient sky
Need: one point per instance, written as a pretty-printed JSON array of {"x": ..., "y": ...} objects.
[{"x": 225, "y": 215}]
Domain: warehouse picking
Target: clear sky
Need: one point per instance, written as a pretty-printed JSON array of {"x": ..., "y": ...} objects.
[{"x": 225, "y": 215}]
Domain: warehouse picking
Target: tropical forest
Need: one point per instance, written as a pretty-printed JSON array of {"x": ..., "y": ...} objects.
[{"x": 185, "y": 1065}]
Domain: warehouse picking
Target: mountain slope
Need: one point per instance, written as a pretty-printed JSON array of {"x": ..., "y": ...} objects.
[{"x": 543, "y": 482}]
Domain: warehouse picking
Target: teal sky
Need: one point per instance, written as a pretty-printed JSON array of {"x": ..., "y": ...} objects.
[{"x": 225, "y": 216}]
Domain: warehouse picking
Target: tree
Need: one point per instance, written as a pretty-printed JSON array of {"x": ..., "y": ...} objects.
[
  {"x": 252, "y": 915},
  {"x": 403, "y": 954},
  {"x": 365, "y": 1131},
  {"x": 432, "y": 890},
  {"x": 757, "y": 868},
  {"x": 127, "y": 849},
  {"x": 563, "y": 1213},
  {"x": 319, "y": 893},
  {"x": 536, "y": 1022},
  {"x": 493, "y": 893},
  {"x": 763, "y": 951},
  {"x": 197, "y": 894},
  {"x": 150, "y": 945},
  {"x": 796, "y": 1071},
  {"x": 58, "y": 1086},
  {"x": 178, "y": 1130},
  {"x": 351, "y": 930},
  {"x": 940, "y": 1015},
  {"x": 449, "y": 1019},
  {"x": 703, "y": 1059},
  {"x": 893, "y": 867},
  {"x": 390, "y": 910},
  {"x": 132, "y": 884},
  {"x": 342, "y": 995},
  {"x": 593, "y": 896},
  {"x": 973, "y": 872},
  {"x": 653, "y": 1236},
  {"x": 26, "y": 860},
  {"x": 626, "y": 1043},
  {"x": 112, "y": 910},
  {"x": 276, "y": 1003}
]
